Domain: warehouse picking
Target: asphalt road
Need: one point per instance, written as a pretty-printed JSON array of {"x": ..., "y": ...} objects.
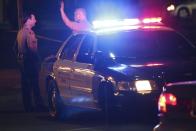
[{"x": 13, "y": 118}]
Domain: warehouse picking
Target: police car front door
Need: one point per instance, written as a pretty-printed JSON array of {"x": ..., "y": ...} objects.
[
  {"x": 83, "y": 74},
  {"x": 63, "y": 66}
]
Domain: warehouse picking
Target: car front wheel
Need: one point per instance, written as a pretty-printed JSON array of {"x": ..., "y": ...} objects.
[
  {"x": 55, "y": 104},
  {"x": 183, "y": 13}
]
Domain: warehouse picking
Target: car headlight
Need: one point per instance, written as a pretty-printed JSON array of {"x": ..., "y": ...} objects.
[
  {"x": 144, "y": 86},
  {"x": 140, "y": 86}
]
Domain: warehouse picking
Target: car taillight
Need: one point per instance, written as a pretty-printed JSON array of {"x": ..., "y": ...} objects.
[{"x": 166, "y": 99}]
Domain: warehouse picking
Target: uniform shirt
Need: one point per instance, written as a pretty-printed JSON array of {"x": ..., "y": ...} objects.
[{"x": 27, "y": 40}]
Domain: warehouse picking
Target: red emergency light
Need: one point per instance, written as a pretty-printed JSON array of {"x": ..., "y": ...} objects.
[{"x": 152, "y": 20}]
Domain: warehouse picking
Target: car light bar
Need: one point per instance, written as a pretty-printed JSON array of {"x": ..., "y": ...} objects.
[
  {"x": 125, "y": 22},
  {"x": 114, "y": 23},
  {"x": 112, "y": 29}
]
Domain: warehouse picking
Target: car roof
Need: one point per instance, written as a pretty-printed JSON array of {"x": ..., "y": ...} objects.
[{"x": 182, "y": 83}]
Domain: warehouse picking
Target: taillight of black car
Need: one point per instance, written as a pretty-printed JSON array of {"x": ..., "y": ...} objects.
[{"x": 165, "y": 100}]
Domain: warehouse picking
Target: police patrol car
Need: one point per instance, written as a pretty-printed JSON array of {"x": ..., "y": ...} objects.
[{"x": 118, "y": 64}]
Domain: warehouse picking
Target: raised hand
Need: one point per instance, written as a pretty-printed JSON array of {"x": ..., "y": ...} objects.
[{"x": 62, "y": 6}]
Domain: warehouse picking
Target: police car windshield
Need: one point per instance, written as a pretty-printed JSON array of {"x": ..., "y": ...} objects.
[{"x": 136, "y": 44}]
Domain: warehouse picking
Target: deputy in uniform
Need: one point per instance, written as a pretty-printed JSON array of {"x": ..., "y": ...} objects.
[
  {"x": 29, "y": 64},
  {"x": 80, "y": 24}
]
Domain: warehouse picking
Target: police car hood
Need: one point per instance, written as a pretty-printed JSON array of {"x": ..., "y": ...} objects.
[{"x": 169, "y": 69}]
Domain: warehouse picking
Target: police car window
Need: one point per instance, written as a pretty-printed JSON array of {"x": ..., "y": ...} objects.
[
  {"x": 129, "y": 44},
  {"x": 86, "y": 49},
  {"x": 174, "y": 45},
  {"x": 71, "y": 47}
]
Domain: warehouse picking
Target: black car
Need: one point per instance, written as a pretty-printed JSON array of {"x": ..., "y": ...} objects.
[
  {"x": 116, "y": 67},
  {"x": 177, "y": 106},
  {"x": 181, "y": 9}
]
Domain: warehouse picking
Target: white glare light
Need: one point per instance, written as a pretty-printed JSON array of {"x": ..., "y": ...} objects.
[
  {"x": 114, "y": 23},
  {"x": 131, "y": 21},
  {"x": 108, "y": 26},
  {"x": 105, "y": 23},
  {"x": 171, "y": 7},
  {"x": 112, "y": 55},
  {"x": 118, "y": 68}
]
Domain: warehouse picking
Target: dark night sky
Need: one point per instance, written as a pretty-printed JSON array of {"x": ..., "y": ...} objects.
[
  {"x": 49, "y": 9},
  {"x": 50, "y": 24}
]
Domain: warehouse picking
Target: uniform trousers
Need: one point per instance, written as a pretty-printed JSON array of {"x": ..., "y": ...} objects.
[{"x": 29, "y": 67}]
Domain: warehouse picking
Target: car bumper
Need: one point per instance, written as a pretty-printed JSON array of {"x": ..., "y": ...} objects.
[
  {"x": 137, "y": 100},
  {"x": 176, "y": 121},
  {"x": 176, "y": 125}
]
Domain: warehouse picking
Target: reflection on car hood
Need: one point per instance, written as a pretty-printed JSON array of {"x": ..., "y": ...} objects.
[{"x": 171, "y": 70}]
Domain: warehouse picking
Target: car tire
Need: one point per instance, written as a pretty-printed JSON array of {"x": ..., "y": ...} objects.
[
  {"x": 183, "y": 13},
  {"x": 55, "y": 104}
]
